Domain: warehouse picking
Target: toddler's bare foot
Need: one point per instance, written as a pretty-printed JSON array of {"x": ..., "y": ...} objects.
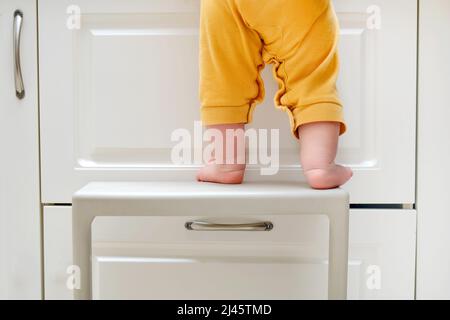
[
  {"x": 217, "y": 169},
  {"x": 222, "y": 173},
  {"x": 318, "y": 144},
  {"x": 329, "y": 177}
]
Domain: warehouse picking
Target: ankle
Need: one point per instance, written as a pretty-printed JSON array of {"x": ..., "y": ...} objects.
[{"x": 228, "y": 145}]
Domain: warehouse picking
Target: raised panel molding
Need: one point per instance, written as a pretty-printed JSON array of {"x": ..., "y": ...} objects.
[
  {"x": 136, "y": 83},
  {"x": 125, "y": 90},
  {"x": 357, "y": 88}
]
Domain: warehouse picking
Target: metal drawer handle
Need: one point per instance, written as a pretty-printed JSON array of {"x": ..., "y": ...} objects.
[
  {"x": 209, "y": 226},
  {"x": 17, "y": 29}
]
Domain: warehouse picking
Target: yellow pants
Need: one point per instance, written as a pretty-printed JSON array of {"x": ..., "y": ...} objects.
[{"x": 238, "y": 37}]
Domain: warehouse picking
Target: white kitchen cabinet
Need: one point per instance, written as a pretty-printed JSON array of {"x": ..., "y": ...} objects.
[
  {"x": 117, "y": 77},
  {"x": 151, "y": 258},
  {"x": 433, "y": 221},
  {"x": 20, "y": 265},
  {"x": 58, "y": 252}
]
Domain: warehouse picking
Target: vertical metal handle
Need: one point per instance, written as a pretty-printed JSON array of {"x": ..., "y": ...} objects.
[{"x": 17, "y": 29}]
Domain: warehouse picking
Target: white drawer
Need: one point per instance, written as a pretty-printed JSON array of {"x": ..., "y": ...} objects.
[
  {"x": 146, "y": 258},
  {"x": 158, "y": 258}
]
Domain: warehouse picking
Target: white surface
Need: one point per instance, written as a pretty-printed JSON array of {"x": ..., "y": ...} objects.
[
  {"x": 157, "y": 258},
  {"x": 433, "y": 264},
  {"x": 58, "y": 252},
  {"x": 383, "y": 238},
  {"x": 113, "y": 91},
  {"x": 194, "y": 200},
  {"x": 20, "y": 266},
  {"x": 192, "y": 190}
]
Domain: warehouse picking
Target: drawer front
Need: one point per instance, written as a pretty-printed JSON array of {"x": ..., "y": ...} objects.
[
  {"x": 156, "y": 257},
  {"x": 110, "y": 92}
]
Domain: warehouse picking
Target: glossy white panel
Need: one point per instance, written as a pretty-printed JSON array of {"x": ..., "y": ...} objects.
[
  {"x": 382, "y": 243},
  {"x": 171, "y": 262},
  {"x": 117, "y": 87},
  {"x": 433, "y": 251},
  {"x": 20, "y": 263},
  {"x": 137, "y": 82},
  {"x": 57, "y": 252}
]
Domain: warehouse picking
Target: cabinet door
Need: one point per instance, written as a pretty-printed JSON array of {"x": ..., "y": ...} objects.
[
  {"x": 132, "y": 257},
  {"x": 433, "y": 252},
  {"x": 20, "y": 267},
  {"x": 118, "y": 77}
]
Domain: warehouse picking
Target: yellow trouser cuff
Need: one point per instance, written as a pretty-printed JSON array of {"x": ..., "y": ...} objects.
[
  {"x": 324, "y": 111},
  {"x": 226, "y": 115}
]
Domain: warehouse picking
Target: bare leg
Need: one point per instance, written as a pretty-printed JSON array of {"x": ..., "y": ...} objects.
[
  {"x": 222, "y": 171},
  {"x": 318, "y": 148}
]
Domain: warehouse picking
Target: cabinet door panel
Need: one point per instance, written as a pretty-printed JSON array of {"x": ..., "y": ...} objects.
[
  {"x": 433, "y": 254},
  {"x": 115, "y": 87},
  {"x": 20, "y": 265},
  {"x": 138, "y": 253}
]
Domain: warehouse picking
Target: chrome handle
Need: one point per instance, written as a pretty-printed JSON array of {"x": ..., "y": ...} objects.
[
  {"x": 209, "y": 226},
  {"x": 17, "y": 29}
]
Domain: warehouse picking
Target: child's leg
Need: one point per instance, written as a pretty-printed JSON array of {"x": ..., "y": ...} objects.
[
  {"x": 306, "y": 66},
  {"x": 318, "y": 147},
  {"x": 230, "y": 83},
  {"x": 218, "y": 168}
]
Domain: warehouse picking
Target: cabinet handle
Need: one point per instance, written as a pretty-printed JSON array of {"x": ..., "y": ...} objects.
[
  {"x": 209, "y": 226},
  {"x": 18, "y": 80}
]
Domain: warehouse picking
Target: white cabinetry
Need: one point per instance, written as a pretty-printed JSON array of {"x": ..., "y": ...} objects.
[
  {"x": 433, "y": 254},
  {"x": 148, "y": 258},
  {"x": 118, "y": 77},
  {"x": 20, "y": 265},
  {"x": 114, "y": 89}
]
